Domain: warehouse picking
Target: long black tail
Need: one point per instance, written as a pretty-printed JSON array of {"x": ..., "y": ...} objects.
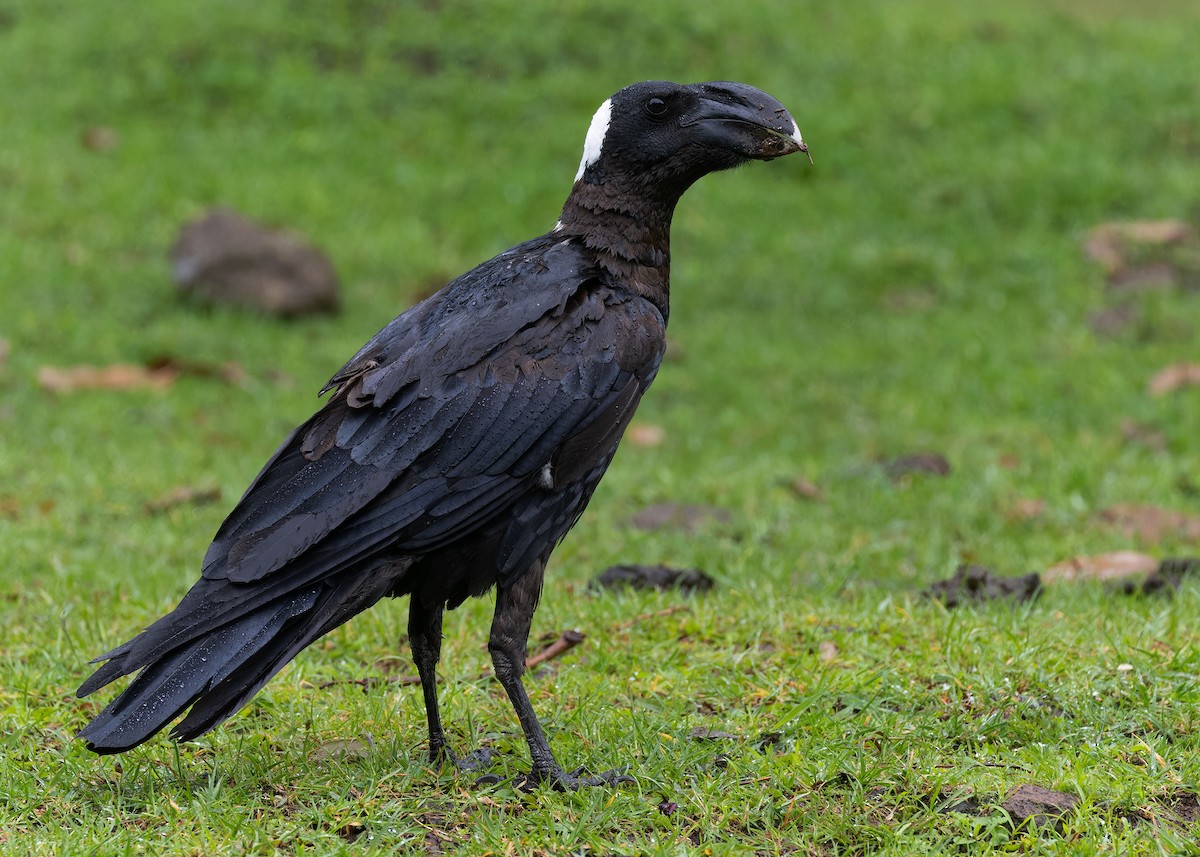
[{"x": 216, "y": 668}]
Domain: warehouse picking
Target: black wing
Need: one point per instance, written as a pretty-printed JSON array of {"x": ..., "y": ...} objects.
[{"x": 441, "y": 423}]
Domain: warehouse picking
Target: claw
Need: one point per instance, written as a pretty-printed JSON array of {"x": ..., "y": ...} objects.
[
  {"x": 573, "y": 781},
  {"x": 473, "y": 761},
  {"x": 477, "y": 760}
]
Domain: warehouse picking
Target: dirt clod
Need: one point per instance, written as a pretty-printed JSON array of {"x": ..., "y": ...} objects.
[
  {"x": 655, "y": 577},
  {"x": 1167, "y": 578},
  {"x": 1030, "y": 804},
  {"x": 974, "y": 583},
  {"x": 918, "y": 462}
]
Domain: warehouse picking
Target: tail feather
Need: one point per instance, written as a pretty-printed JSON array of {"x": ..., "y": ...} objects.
[
  {"x": 162, "y": 690},
  {"x": 236, "y": 686},
  {"x": 217, "y": 672}
]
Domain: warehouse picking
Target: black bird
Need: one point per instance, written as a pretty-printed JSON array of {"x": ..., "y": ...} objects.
[{"x": 459, "y": 444}]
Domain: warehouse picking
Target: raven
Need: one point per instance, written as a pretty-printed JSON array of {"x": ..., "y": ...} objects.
[{"x": 459, "y": 445}]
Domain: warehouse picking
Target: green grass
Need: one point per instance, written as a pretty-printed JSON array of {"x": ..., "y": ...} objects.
[{"x": 920, "y": 288}]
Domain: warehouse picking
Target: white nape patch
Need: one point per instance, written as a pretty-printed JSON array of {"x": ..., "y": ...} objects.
[
  {"x": 557, "y": 226},
  {"x": 594, "y": 141},
  {"x": 796, "y": 134},
  {"x": 546, "y": 477}
]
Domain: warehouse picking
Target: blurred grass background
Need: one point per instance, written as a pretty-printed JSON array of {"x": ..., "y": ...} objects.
[{"x": 921, "y": 288}]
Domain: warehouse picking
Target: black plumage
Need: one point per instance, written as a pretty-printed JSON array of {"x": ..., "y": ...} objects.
[{"x": 459, "y": 444}]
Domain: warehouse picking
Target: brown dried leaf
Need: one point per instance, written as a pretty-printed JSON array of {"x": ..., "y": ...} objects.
[
  {"x": 1026, "y": 509},
  {"x": 1174, "y": 377},
  {"x": 1158, "y": 231},
  {"x": 182, "y": 496},
  {"x": 1103, "y": 566},
  {"x": 1108, "y": 242},
  {"x": 1152, "y": 523},
  {"x": 100, "y": 138},
  {"x": 806, "y": 489},
  {"x": 230, "y": 372},
  {"x": 679, "y": 516},
  {"x": 119, "y": 376},
  {"x": 646, "y": 435},
  {"x": 351, "y": 830}
]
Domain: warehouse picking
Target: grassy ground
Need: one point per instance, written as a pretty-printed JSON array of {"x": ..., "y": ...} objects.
[{"x": 920, "y": 289}]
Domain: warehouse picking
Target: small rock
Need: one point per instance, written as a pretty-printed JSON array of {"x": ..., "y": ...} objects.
[
  {"x": 976, "y": 583},
  {"x": 226, "y": 258},
  {"x": 1036, "y": 805}
]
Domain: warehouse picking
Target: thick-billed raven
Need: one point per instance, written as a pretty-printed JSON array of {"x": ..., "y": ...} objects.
[{"x": 459, "y": 444}]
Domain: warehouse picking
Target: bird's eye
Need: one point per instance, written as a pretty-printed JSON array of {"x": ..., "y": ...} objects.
[{"x": 656, "y": 107}]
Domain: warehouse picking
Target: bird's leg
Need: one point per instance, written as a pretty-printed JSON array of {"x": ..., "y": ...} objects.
[
  {"x": 425, "y": 638},
  {"x": 509, "y": 636}
]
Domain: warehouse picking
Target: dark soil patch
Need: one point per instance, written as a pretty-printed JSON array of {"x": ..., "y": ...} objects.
[
  {"x": 903, "y": 466},
  {"x": 655, "y": 577},
  {"x": 1035, "y": 805},
  {"x": 1168, "y": 577},
  {"x": 974, "y": 583}
]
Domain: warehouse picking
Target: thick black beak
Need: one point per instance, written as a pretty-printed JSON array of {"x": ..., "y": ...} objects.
[{"x": 745, "y": 120}]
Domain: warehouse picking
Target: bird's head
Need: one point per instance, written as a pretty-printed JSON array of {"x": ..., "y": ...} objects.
[{"x": 667, "y": 135}]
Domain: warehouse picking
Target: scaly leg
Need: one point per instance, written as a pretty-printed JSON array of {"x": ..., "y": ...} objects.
[
  {"x": 425, "y": 638},
  {"x": 510, "y": 635}
]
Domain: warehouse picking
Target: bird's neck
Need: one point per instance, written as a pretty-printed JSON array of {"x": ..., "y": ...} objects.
[{"x": 629, "y": 234}]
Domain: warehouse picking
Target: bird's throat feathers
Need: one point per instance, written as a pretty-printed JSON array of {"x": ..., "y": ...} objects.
[{"x": 630, "y": 237}]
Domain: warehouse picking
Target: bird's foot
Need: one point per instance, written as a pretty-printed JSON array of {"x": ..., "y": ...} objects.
[
  {"x": 476, "y": 760},
  {"x": 469, "y": 763},
  {"x": 579, "y": 778}
]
